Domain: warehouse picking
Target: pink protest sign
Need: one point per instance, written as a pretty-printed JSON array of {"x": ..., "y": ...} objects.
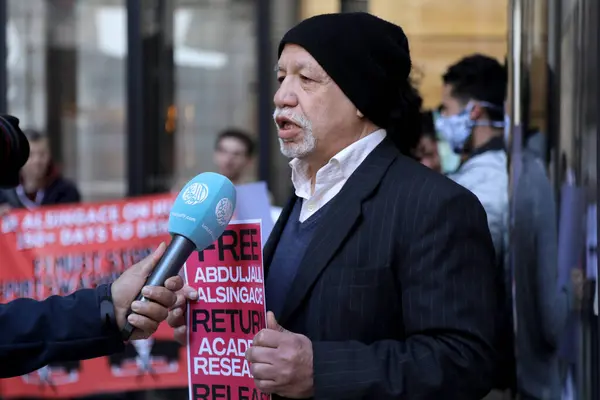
[{"x": 229, "y": 312}]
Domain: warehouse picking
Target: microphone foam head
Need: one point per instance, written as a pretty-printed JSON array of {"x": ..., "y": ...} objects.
[{"x": 203, "y": 209}]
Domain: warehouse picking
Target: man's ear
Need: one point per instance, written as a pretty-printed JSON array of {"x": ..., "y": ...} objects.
[{"x": 359, "y": 114}]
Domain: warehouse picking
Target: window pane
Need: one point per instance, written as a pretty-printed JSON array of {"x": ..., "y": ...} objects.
[
  {"x": 100, "y": 124},
  {"x": 215, "y": 62},
  {"x": 26, "y": 45},
  {"x": 67, "y": 77}
]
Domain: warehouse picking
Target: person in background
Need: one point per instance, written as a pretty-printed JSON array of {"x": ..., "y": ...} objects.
[
  {"x": 41, "y": 182},
  {"x": 546, "y": 303},
  {"x": 234, "y": 150},
  {"x": 472, "y": 122},
  {"x": 427, "y": 149},
  {"x": 233, "y": 154}
]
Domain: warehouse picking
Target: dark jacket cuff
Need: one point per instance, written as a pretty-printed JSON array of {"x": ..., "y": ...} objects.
[{"x": 109, "y": 327}]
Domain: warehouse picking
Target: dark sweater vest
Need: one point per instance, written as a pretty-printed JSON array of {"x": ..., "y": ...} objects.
[{"x": 294, "y": 241}]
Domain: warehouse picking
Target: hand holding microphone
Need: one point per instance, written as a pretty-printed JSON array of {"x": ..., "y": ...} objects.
[
  {"x": 147, "y": 315},
  {"x": 199, "y": 216}
]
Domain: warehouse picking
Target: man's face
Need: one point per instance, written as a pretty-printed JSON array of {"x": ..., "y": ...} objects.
[
  {"x": 450, "y": 104},
  {"x": 427, "y": 153},
  {"x": 39, "y": 159},
  {"x": 231, "y": 157},
  {"x": 313, "y": 116}
]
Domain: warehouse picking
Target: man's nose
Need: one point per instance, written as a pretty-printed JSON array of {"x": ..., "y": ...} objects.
[{"x": 285, "y": 96}]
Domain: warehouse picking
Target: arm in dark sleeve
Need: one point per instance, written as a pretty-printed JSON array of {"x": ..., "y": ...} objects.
[
  {"x": 448, "y": 284},
  {"x": 35, "y": 333}
]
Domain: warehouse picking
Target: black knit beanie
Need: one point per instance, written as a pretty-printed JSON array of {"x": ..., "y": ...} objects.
[
  {"x": 14, "y": 151},
  {"x": 366, "y": 56}
]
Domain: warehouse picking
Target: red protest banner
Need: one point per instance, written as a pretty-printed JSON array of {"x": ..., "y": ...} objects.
[
  {"x": 230, "y": 310},
  {"x": 59, "y": 249}
]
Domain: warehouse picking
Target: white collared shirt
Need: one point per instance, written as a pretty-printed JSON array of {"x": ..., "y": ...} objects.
[{"x": 331, "y": 178}]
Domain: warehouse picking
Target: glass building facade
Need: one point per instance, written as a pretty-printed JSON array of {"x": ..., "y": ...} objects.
[
  {"x": 93, "y": 73},
  {"x": 132, "y": 93}
]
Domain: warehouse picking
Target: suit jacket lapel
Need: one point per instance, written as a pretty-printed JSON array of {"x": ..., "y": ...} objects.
[
  {"x": 335, "y": 226},
  {"x": 273, "y": 240}
]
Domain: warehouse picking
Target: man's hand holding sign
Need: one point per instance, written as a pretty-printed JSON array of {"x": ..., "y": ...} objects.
[{"x": 281, "y": 361}]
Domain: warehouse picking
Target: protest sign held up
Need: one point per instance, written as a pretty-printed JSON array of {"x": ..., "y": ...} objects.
[{"x": 229, "y": 312}]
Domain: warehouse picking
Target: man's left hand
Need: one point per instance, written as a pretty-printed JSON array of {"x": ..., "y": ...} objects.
[{"x": 281, "y": 361}]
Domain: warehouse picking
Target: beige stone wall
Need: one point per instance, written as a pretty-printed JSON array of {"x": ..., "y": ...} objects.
[{"x": 440, "y": 32}]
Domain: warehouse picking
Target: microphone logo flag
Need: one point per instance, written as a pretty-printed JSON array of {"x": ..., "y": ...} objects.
[
  {"x": 224, "y": 211},
  {"x": 194, "y": 194}
]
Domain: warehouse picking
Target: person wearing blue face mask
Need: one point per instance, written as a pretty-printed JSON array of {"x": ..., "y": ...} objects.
[{"x": 471, "y": 121}]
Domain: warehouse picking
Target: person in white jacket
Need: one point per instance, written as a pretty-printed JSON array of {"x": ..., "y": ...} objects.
[{"x": 472, "y": 122}]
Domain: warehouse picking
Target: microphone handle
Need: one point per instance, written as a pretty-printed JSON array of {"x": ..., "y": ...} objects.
[{"x": 168, "y": 266}]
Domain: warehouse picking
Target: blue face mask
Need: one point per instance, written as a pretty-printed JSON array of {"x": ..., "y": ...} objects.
[
  {"x": 456, "y": 129},
  {"x": 506, "y": 128},
  {"x": 449, "y": 159}
]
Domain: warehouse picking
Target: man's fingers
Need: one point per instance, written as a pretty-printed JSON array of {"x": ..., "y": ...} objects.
[
  {"x": 149, "y": 309},
  {"x": 263, "y": 355},
  {"x": 180, "y": 335},
  {"x": 160, "y": 295},
  {"x": 265, "y": 386},
  {"x": 187, "y": 293},
  {"x": 267, "y": 338},
  {"x": 176, "y": 318},
  {"x": 144, "y": 324},
  {"x": 273, "y": 324},
  {"x": 158, "y": 253},
  {"x": 263, "y": 371},
  {"x": 190, "y": 293},
  {"x": 180, "y": 301},
  {"x": 174, "y": 283},
  {"x": 147, "y": 264}
]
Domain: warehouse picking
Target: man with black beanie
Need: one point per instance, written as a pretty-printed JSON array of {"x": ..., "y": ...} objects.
[{"x": 380, "y": 282}]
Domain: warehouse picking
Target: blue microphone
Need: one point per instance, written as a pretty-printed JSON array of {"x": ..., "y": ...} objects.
[{"x": 199, "y": 216}]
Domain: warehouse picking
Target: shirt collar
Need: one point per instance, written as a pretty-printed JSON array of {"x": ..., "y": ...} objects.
[{"x": 340, "y": 167}]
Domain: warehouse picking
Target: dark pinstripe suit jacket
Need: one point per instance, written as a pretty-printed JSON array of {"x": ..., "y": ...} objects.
[{"x": 397, "y": 290}]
